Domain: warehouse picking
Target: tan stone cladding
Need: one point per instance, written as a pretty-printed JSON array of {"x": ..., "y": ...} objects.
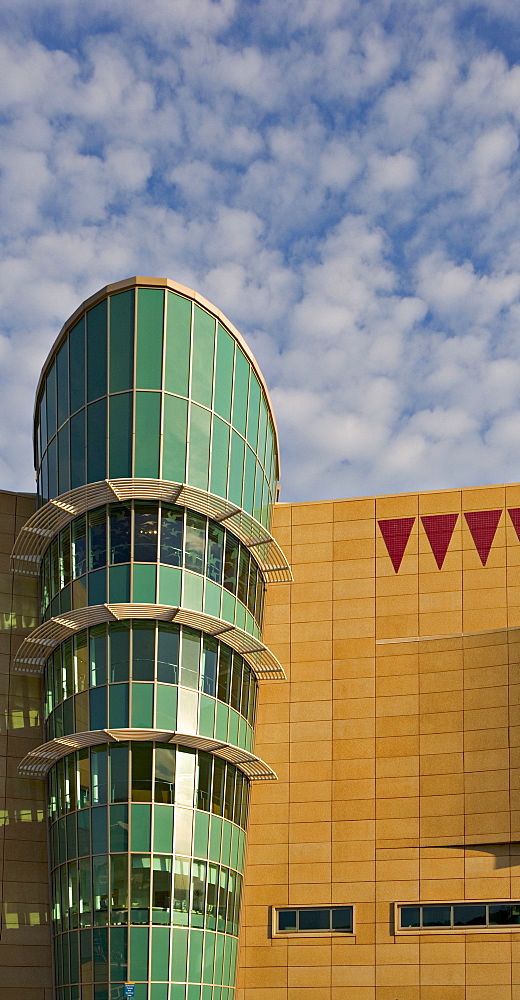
[{"x": 396, "y": 741}]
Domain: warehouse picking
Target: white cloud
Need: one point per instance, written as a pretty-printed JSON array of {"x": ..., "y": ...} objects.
[{"x": 341, "y": 179}]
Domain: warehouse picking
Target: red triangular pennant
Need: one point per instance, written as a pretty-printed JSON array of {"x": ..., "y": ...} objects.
[
  {"x": 483, "y": 525},
  {"x": 514, "y": 514},
  {"x": 439, "y": 529},
  {"x": 396, "y": 533}
]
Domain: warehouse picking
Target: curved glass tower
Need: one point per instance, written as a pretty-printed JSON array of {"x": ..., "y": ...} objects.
[{"x": 157, "y": 462}]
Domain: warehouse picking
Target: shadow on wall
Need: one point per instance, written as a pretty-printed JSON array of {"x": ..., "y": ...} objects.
[{"x": 505, "y": 855}]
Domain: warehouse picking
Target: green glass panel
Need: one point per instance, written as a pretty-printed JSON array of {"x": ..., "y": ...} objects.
[
  {"x": 64, "y": 459},
  {"x": 198, "y": 461},
  {"x": 215, "y": 836},
  {"x": 233, "y": 851},
  {"x": 52, "y": 460},
  {"x": 224, "y": 373},
  {"x": 51, "y": 402},
  {"x": 142, "y": 706},
  {"x": 98, "y": 708},
  {"x": 77, "y": 450},
  {"x": 233, "y": 728},
  {"x": 150, "y": 310},
  {"x": 97, "y": 587},
  {"x": 140, "y": 992},
  {"x": 119, "y": 584},
  {"x": 219, "y": 958},
  {"x": 262, "y": 430},
  {"x": 240, "y": 392},
  {"x": 177, "y": 990},
  {"x": 147, "y": 430},
  {"x": 62, "y": 382},
  {"x": 226, "y": 842},
  {"x": 242, "y": 731},
  {"x": 159, "y": 991},
  {"x": 118, "y": 707},
  {"x": 219, "y": 457},
  {"x": 212, "y": 598},
  {"x": 144, "y": 585},
  {"x": 207, "y": 716},
  {"x": 179, "y": 955},
  {"x": 222, "y": 722},
  {"x": 228, "y": 606},
  {"x": 97, "y": 351},
  {"x": 77, "y": 365},
  {"x": 192, "y": 591},
  {"x": 138, "y": 953},
  {"x": 227, "y": 961},
  {"x": 140, "y": 827},
  {"x": 174, "y": 439},
  {"x": 162, "y": 831},
  {"x": 207, "y": 991},
  {"x": 253, "y": 414},
  {"x": 240, "y": 615},
  {"x": 119, "y": 651},
  {"x": 169, "y": 585},
  {"x": 202, "y": 357},
  {"x": 259, "y": 485},
  {"x": 200, "y": 840},
  {"x": 193, "y": 989},
  {"x": 122, "y": 341},
  {"x": 195, "y": 957},
  {"x": 166, "y": 707},
  {"x": 120, "y": 436},
  {"x": 249, "y": 481},
  {"x": 209, "y": 957},
  {"x": 269, "y": 458},
  {"x": 96, "y": 441},
  {"x": 177, "y": 362},
  {"x": 119, "y": 827},
  {"x": 118, "y": 954},
  {"x": 236, "y": 470}
]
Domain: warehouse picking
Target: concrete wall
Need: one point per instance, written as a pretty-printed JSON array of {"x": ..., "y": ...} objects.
[
  {"x": 396, "y": 743},
  {"x": 25, "y": 951}
]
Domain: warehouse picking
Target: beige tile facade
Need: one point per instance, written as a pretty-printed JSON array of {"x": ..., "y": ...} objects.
[
  {"x": 396, "y": 741},
  {"x": 25, "y": 952}
]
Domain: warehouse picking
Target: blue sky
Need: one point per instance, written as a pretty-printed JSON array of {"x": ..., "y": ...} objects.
[{"x": 341, "y": 178}]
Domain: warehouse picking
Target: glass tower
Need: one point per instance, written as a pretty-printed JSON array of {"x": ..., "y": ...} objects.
[{"x": 157, "y": 464}]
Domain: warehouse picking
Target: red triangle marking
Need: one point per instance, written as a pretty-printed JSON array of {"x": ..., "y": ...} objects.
[
  {"x": 483, "y": 525},
  {"x": 439, "y": 529},
  {"x": 396, "y": 533},
  {"x": 514, "y": 514}
]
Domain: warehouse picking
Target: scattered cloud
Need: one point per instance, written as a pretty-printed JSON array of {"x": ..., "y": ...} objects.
[{"x": 341, "y": 179}]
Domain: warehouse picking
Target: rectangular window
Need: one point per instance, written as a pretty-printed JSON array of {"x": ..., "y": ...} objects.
[
  {"x": 202, "y": 362},
  {"x": 121, "y": 341},
  {"x": 172, "y": 525},
  {"x": 119, "y": 534},
  {"x": 145, "y": 533},
  {"x": 195, "y": 556},
  {"x": 314, "y": 920},
  {"x": 150, "y": 312},
  {"x": 177, "y": 363},
  {"x": 457, "y": 916}
]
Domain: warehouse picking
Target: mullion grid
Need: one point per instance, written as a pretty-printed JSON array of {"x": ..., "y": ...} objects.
[{"x": 64, "y": 537}]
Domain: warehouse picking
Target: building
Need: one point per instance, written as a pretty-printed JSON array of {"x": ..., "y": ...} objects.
[{"x": 153, "y": 686}]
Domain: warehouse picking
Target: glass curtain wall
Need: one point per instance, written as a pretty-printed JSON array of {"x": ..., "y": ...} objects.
[
  {"x": 149, "y": 384},
  {"x": 147, "y": 839}
]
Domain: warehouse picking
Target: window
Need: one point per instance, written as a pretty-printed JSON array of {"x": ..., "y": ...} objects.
[
  {"x": 457, "y": 916},
  {"x": 314, "y": 920}
]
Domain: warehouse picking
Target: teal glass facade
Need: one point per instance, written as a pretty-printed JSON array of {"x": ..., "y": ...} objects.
[
  {"x": 148, "y": 384},
  {"x": 148, "y": 793}
]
